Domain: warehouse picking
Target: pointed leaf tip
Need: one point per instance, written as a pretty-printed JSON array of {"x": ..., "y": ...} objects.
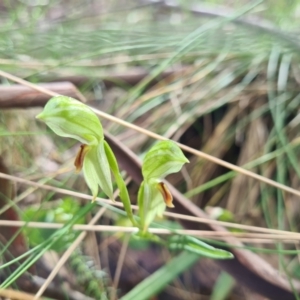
[
  {"x": 39, "y": 116},
  {"x": 194, "y": 245}
]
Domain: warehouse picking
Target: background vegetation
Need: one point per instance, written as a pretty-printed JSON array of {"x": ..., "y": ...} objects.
[{"x": 221, "y": 77}]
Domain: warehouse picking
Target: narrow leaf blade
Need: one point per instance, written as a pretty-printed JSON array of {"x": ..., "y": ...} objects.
[
  {"x": 196, "y": 246},
  {"x": 156, "y": 282}
]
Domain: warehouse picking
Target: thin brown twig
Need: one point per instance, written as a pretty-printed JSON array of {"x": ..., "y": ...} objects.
[
  {"x": 26, "y": 193},
  {"x": 12, "y": 294},
  {"x": 27, "y": 83},
  {"x": 66, "y": 255},
  {"x": 101, "y": 62},
  {"x": 34, "y": 86},
  {"x": 119, "y": 267},
  {"x": 200, "y": 153},
  {"x": 102, "y": 201},
  {"x": 162, "y": 231}
]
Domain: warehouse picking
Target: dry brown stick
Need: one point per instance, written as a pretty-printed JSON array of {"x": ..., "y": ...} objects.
[
  {"x": 132, "y": 77},
  {"x": 16, "y": 295},
  {"x": 20, "y": 96}
]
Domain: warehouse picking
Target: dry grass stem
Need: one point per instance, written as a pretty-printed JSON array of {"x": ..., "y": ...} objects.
[
  {"x": 198, "y": 233},
  {"x": 67, "y": 254},
  {"x": 119, "y": 267},
  {"x": 119, "y": 204},
  {"x": 17, "y": 295}
]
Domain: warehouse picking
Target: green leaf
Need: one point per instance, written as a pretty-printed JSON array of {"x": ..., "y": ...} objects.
[
  {"x": 223, "y": 286},
  {"x": 191, "y": 244},
  {"x": 68, "y": 117},
  {"x": 63, "y": 213},
  {"x": 156, "y": 282},
  {"x": 163, "y": 158}
]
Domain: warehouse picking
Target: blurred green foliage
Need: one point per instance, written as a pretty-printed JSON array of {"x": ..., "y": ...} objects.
[{"x": 65, "y": 210}]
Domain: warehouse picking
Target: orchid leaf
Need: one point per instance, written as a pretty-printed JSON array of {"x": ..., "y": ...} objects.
[
  {"x": 196, "y": 246},
  {"x": 156, "y": 282}
]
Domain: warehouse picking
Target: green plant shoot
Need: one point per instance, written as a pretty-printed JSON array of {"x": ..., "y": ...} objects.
[
  {"x": 163, "y": 158},
  {"x": 70, "y": 118}
]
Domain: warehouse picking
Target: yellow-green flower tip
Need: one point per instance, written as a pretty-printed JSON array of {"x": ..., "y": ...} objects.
[{"x": 39, "y": 116}]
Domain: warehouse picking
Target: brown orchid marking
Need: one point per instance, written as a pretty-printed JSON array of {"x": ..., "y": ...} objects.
[
  {"x": 78, "y": 163},
  {"x": 168, "y": 198}
]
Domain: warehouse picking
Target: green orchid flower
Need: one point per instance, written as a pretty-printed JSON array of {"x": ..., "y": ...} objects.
[
  {"x": 70, "y": 118},
  {"x": 163, "y": 158}
]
